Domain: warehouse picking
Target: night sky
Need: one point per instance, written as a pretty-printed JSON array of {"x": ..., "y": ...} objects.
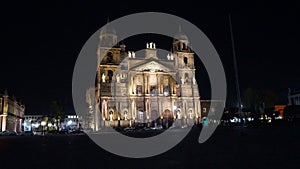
[{"x": 40, "y": 44}]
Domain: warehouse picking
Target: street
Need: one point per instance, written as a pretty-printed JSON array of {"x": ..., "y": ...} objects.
[{"x": 232, "y": 148}]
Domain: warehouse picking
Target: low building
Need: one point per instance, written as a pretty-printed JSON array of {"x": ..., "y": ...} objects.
[
  {"x": 32, "y": 122},
  {"x": 214, "y": 107},
  {"x": 279, "y": 109},
  {"x": 72, "y": 122},
  {"x": 11, "y": 113},
  {"x": 294, "y": 97}
]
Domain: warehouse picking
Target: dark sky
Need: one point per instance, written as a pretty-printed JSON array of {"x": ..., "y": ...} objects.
[{"x": 40, "y": 43}]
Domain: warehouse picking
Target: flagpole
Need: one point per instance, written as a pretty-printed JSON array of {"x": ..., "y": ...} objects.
[{"x": 236, "y": 75}]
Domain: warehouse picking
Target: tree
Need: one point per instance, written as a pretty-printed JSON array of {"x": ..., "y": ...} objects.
[
  {"x": 259, "y": 102},
  {"x": 291, "y": 112},
  {"x": 252, "y": 100},
  {"x": 270, "y": 99},
  {"x": 56, "y": 110}
]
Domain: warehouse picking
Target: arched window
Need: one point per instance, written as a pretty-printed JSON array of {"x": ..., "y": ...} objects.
[
  {"x": 109, "y": 57},
  {"x": 185, "y": 60},
  {"x": 166, "y": 90},
  {"x": 186, "y": 77},
  {"x": 125, "y": 115},
  {"x": 111, "y": 115},
  {"x": 110, "y": 74}
]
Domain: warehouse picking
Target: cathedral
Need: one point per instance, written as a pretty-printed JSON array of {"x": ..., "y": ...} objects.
[{"x": 145, "y": 89}]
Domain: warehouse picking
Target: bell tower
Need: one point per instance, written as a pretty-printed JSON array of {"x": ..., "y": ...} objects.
[
  {"x": 184, "y": 57},
  {"x": 185, "y": 74},
  {"x": 109, "y": 56}
]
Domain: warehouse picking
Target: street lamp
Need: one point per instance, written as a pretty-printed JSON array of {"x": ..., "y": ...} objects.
[{"x": 43, "y": 123}]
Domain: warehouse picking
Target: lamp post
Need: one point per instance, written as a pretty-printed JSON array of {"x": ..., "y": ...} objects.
[
  {"x": 43, "y": 123},
  {"x": 236, "y": 76}
]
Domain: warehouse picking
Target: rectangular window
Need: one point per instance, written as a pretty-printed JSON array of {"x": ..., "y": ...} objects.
[
  {"x": 166, "y": 90},
  {"x": 153, "y": 90}
]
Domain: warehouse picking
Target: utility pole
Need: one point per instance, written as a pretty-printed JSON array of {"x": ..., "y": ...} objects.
[{"x": 236, "y": 75}]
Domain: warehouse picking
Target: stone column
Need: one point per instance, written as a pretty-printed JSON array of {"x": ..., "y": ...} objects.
[
  {"x": 15, "y": 120},
  {"x": 171, "y": 86},
  {"x": 199, "y": 109},
  {"x": 130, "y": 85},
  {"x": 157, "y": 84},
  {"x": 133, "y": 109},
  {"x": 145, "y": 85},
  {"x": 3, "y": 123},
  {"x": 148, "y": 84},
  {"x": 96, "y": 117},
  {"x": 133, "y": 86}
]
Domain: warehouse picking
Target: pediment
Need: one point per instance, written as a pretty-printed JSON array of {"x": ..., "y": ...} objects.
[{"x": 152, "y": 66}]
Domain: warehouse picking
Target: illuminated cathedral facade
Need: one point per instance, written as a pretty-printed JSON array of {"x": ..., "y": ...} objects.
[{"x": 145, "y": 88}]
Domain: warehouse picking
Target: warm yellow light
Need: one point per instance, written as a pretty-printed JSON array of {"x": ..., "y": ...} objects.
[
  {"x": 43, "y": 123},
  {"x": 110, "y": 117}
]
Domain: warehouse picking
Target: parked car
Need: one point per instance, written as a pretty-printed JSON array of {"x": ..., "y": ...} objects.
[
  {"x": 158, "y": 127},
  {"x": 8, "y": 133},
  {"x": 27, "y": 133},
  {"x": 129, "y": 129},
  {"x": 63, "y": 131},
  {"x": 77, "y": 132}
]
